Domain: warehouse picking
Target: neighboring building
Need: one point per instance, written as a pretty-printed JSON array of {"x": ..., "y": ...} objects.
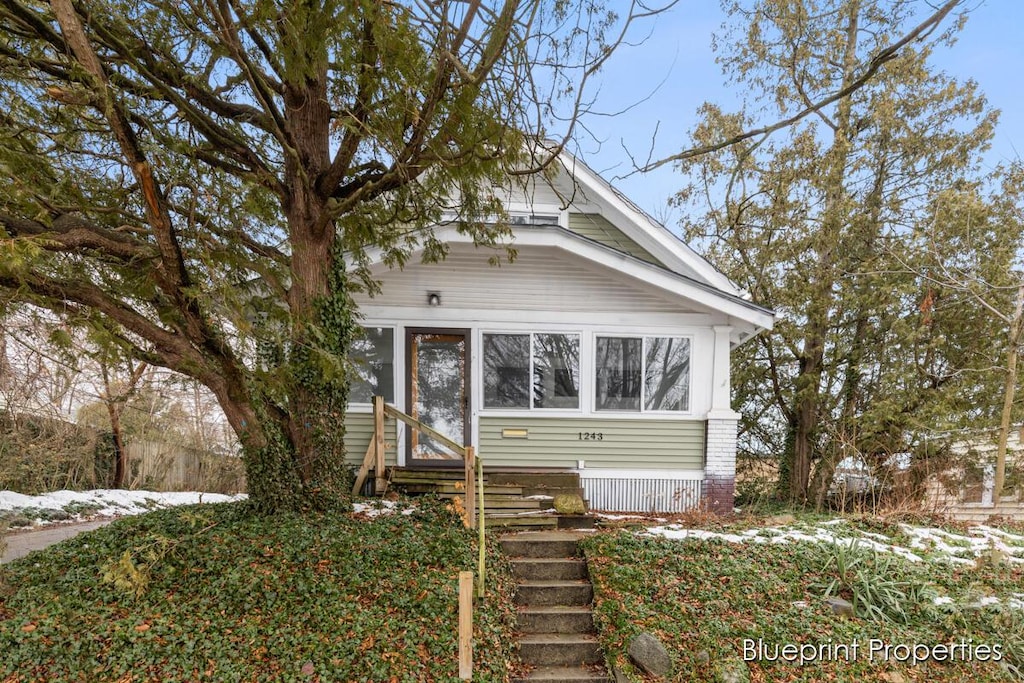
[
  {"x": 966, "y": 489},
  {"x": 603, "y": 349}
]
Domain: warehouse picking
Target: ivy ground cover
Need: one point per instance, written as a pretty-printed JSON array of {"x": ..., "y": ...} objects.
[
  {"x": 213, "y": 593},
  {"x": 930, "y": 604}
]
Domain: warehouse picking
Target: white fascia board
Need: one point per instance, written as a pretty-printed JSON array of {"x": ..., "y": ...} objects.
[
  {"x": 518, "y": 319},
  {"x": 644, "y": 230}
]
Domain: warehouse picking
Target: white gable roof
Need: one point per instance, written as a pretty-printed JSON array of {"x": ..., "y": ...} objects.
[{"x": 580, "y": 182}]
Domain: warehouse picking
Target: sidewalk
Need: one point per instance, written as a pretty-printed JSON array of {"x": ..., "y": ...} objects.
[{"x": 22, "y": 543}]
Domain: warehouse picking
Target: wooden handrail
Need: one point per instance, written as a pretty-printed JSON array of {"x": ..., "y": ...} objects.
[
  {"x": 419, "y": 426},
  {"x": 375, "y": 456}
]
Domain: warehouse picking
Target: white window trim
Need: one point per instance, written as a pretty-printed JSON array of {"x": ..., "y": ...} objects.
[
  {"x": 643, "y": 375},
  {"x": 531, "y": 409},
  {"x": 363, "y": 407}
]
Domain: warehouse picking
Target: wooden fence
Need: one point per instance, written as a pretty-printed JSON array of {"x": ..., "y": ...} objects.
[{"x": 161, "y": 466}]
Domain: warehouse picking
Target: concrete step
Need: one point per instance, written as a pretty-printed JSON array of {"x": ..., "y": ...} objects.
[
  {"x": 566, "y": 674},
  {"x": 504, "y": 503},
  {"x": 559, "y": 649},
  {"x": 536, "y": 479},
  {"x": 542, "y": 544},
  {"x": 555, "y": 619},
  {"x": 549, "y": 568},
  {"x": 554, "y": 593},
  {"x": 419, "y": 476},
  {"x": 576, "y": 521},
  {"x": 457, "y": 488},
  {"x": 553, "y": 491},
  {"x": 524, "y": 521}
]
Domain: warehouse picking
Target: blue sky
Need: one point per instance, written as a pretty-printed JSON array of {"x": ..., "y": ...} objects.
[{"x": 675, "y": 71}]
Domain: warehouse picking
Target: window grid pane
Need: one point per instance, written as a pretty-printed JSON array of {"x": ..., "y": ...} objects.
[
  {"x": 373, "y": 360},
  {"x": 667, "y": 374},
  {"x": 506, "y": 371},
  {"x": 556, "y": 371},
  {"x": 619, "y": 368}
]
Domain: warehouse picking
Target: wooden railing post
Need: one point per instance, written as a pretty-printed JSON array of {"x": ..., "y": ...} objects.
[
  {"x": 378, "y": 445},
  {"x": 470, "y": 479},
  {"x": 466, "y": 626},
  {"x": 481, "y": 527}
]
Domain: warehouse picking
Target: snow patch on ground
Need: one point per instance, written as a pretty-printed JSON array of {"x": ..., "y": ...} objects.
[
  {"x": 118, "y": 503},
  {"x": 383, "y": 507},
  {"x": 615, "y": 518},
  {"x": 915, "y": 544},
  {"x": 924, "y": 542},
  {"x": 779, "y": 535},
  {"x": 105, "y": 502},
  {"x": 957, "y": 547}
]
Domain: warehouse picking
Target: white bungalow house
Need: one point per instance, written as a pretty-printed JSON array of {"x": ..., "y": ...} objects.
[{"x": 602, "y": 350}]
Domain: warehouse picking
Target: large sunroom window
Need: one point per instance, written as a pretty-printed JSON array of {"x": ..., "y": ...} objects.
[
  {"x": 642, "y": 374},
  {"x": 535, "y": 370},
  {"x": 372, "y": 356}
]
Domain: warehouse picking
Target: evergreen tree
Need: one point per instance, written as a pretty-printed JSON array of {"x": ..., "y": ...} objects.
[
  {"x": 818, "y": 224},
  {"x": 193, "y": 180}
]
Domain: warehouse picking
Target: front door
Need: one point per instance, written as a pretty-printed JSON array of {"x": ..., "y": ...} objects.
[{"x": 438, "y": 393}]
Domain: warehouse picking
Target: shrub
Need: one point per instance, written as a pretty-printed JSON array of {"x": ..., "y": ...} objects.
[{"x": 41, "y": 454}]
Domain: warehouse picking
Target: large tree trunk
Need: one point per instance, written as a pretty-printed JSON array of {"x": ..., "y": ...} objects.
[
  {"x": 806, "y": 413},
  {"x": 120, "y": 457},
  {"x": 317, "y": 303},
  {"x": 807, "y": 399}
]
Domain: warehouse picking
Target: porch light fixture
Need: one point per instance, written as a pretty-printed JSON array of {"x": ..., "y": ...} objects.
[{"x": 433, "y": 299}]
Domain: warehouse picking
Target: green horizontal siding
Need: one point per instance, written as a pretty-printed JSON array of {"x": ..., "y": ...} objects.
[
  {"x": 359, "y": 431},
  {"x": 624, "y": 444},
  {"x": 598, "y": 228}
]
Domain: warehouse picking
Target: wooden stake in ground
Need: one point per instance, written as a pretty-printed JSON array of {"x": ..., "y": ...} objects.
[{"x": 465, "y": 625}]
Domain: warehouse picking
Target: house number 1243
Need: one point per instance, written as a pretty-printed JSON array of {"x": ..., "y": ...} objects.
[{"x": 591, "y": 436}]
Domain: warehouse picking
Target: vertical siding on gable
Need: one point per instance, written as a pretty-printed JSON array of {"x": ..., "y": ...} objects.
[
  {"x": 596, "y": 227},
  {"x": 359, "y": 431},
  {"x": 669, "y": 444}
]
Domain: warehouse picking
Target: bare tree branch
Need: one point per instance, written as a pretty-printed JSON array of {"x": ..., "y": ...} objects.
[{"x": 920, "y": 32}]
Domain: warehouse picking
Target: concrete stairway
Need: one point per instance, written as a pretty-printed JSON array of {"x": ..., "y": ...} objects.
[{"x": 557, "y": 641}]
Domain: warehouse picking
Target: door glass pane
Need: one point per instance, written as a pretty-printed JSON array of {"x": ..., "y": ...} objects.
[
  {"x": 556, "y": 370},
  {"x": 373, "y": 360},
  {"x": 438, "y": 393},
  {"x": 667, "y": 382},
  {"x": 506, "y": 371},
  {"x": 619, "y": 370}
]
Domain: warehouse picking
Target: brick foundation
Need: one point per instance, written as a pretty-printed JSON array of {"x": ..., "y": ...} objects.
[
  {"x": 719, "y": 494},
  {"x": 720, "y": 464}
]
